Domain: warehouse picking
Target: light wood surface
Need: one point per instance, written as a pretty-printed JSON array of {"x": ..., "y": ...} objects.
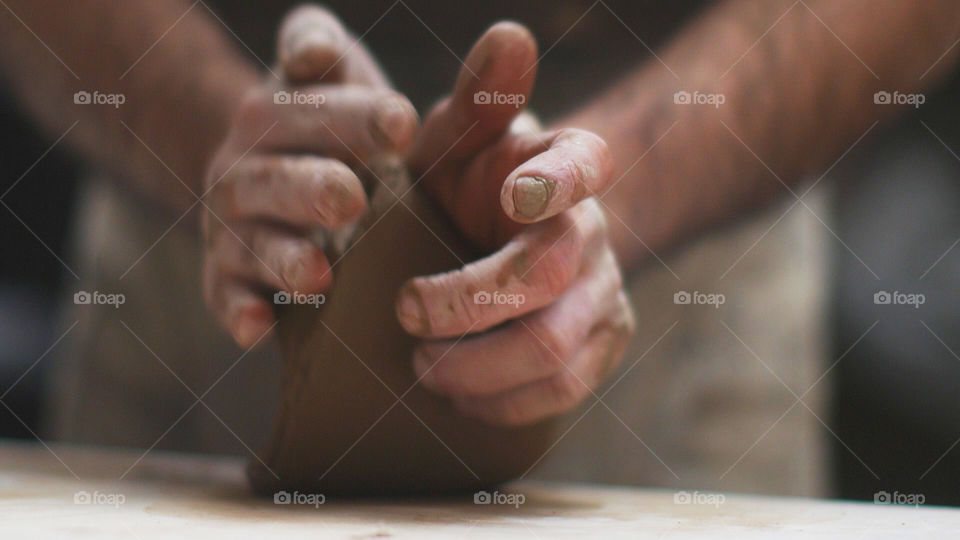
[{"x": 120, "y": 495}]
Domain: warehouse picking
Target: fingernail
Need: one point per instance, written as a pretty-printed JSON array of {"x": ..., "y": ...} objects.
[
  {"x": 313, "y": 38},
  {"x": 531, "y": 194},
  {"x": 291, "y": 273},
  {"x": 478, "y": 58},
  {"x": 335, "y": 204},
  {"x": 412, "y": 313},
  {"x": 391, "y": 123}
]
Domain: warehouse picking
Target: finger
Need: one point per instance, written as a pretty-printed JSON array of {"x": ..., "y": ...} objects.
[
  {"x": 302, "y": 191},
  {"x": 528, "y": 273},
  {"x": 592, "y": 364},
  {"x": 269, "y": 256},
  {"x": 577, "y": 165},
  {"x": 313, "y": 46},
  {"x": 545, "y": 398},
  {"x": 346, "y": 122},
  {"x": 527, "y": 350},
  {"x": 238, "y": 309},
  {"x": 503, "y": 61}
]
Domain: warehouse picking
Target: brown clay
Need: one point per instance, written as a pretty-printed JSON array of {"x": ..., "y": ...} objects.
[{"x": 341, "y": 428}]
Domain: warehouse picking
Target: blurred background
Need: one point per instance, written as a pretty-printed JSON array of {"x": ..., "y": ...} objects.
[{"x": 896, "y": 414}]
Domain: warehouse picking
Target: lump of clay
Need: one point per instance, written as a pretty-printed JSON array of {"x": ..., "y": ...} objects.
[{"x": 352, "y": 420}]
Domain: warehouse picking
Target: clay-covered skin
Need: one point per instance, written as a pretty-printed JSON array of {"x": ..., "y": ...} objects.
[{"x": 341, "y": 428}]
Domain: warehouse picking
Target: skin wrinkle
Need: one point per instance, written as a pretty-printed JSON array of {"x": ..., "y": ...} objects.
[
  {"x": 421, "y": 318},
  {"x": 579, "y": 192},
  {"x": 518, "y": 267}
]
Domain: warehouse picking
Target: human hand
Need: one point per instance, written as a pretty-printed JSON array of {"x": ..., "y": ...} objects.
[
  {"x": 286, "y": 168},
  {"x": 524, "y": 195}
]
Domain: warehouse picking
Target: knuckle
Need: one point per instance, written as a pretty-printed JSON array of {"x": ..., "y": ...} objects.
[
  {"x": 551, "y": 347},
  {"x": 580, "y": 174},
  {"x": 466, "y": 312},
  {"x": 253, "y": 110},
  {"x": 450, "y": 307},
  {"x": 588, "y": 139},
  {"x": 566, "y": 390},
  {"x": 558, "y": 264}
]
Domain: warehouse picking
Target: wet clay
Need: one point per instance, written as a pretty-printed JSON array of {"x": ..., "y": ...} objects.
[{"x": 352, "y": 420}]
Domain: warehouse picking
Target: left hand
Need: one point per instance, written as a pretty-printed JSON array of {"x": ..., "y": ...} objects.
[{"x": 523, "y": 194}]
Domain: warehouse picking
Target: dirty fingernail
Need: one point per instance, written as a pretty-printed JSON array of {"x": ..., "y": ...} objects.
[{"x": 531, "y": 194}]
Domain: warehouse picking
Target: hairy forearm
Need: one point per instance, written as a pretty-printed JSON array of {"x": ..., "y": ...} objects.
[
  {"x": 179, "y": 77},
  {"x": 794, "y": 100}
]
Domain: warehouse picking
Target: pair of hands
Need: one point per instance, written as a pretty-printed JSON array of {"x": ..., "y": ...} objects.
[{"x": 514, "y": 191}]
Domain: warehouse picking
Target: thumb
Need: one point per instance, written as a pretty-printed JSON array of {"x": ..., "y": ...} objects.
[{"x": 492, "y": 88}]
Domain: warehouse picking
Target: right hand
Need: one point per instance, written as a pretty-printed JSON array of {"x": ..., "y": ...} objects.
[{"x": 285, "y": 169}]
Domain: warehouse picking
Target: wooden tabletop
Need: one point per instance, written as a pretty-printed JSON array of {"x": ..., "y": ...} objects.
[{"x": 59, "y": 492}]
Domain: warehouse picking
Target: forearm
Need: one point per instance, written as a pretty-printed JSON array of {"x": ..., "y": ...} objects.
[
  {"x": 797, "y": 100},
  {"x": 179, "y": 90}
]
